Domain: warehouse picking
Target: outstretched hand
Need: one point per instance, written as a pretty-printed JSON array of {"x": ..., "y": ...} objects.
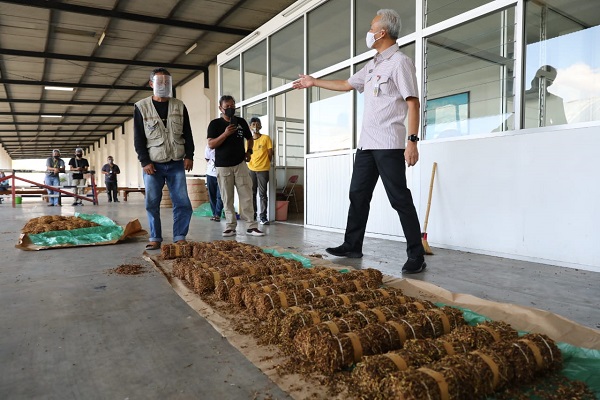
[{"x": 304, "y": 82}]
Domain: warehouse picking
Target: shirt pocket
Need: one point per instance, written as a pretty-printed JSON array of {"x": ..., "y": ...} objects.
[{"x": 384, "y": 85}]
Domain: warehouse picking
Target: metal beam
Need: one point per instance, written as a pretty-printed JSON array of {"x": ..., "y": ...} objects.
[
  {"x": 37, "y": 114},
  {"x": 66, "y": 84},
  {"x": 68, "y": 102},
  {"x": 103, "y": 60},
  {"x": 37, "y": 139},
  {"x": 101, "y": 12},
  {"x": 55, "y": 124},
  {"x": 41, "y": 131}
]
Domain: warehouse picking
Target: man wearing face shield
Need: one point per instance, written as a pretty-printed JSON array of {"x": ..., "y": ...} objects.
[
  {"x": 227, "y": 136},
  {"x": 54, "y": 166},
  {"x": 391, "y": 94},
  {"x": 79, "y": 166},
  {"x": 165, "y": 147}
]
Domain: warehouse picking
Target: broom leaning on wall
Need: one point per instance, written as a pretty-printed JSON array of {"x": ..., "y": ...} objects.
[{"x": 424, "y": 233}]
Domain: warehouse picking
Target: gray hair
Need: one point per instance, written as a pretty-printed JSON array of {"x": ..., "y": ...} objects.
[{"x": 390, "y": 21}]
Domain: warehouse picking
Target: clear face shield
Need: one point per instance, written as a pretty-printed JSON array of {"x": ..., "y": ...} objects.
[{"x": 162, "y": 85}]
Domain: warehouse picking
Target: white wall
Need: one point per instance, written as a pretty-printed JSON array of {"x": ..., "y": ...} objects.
[
  {"x": 529, "y": 196},
  {"x": 5, "y": 160}
]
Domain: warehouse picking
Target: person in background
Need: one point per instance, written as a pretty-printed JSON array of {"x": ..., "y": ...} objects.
[
  {"x": 4, "y": 183},
  {"x": 259, "y": 166},
  {"x": 110, "y": 171},
  {"x": 163, "y": 141},
  {"x": 80, "y": 166},
  {"x": 227, "y": 136},
  {"x": 54, "y": 166},
  {"x": 214, "y": 194},
  {"x": 389, "y": 83}
]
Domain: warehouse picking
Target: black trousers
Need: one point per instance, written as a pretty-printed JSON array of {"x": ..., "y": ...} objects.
[
  {"x": 111, "y": 190},
  {"x": 369, "y": 165}
]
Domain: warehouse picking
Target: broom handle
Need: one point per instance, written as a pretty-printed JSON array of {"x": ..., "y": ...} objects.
[{"x": 430, "y": 193}]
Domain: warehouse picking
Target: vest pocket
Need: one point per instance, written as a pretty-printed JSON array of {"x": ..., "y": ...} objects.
[
  {"x": 156, "y": 150},
  {"x": 179, "y": 147}
]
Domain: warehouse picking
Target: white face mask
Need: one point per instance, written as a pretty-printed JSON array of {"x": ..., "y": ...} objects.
[
  {"x": 162, "y": 86},
  {"x": 371, "y": 39}
]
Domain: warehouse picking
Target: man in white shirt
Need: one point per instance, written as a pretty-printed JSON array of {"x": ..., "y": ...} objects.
[{"x": 391, "y": 94}]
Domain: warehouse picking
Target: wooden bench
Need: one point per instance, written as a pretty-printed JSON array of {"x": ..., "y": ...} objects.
[{"x": 126, "y": 192}]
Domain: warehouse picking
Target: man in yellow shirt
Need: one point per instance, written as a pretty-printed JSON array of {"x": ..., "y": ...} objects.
[{"x": 259, "y": 166}]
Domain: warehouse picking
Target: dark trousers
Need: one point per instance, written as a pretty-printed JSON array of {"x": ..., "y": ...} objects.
[
  {"x": 214, "y": 196},
  {"x": 260, "y": 179},
  {"x": 369, "y": 165},
  {"x": 111, "y": 190}
]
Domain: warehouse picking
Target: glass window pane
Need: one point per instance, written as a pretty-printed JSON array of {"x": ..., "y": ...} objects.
[
  {"x": 289, "y": 125},
  {"x": 469, "y": 75},
  {"x": 287, "y": 49},
  {"x": 255, "y": 70},
  {"x": 409, "y": 50},
  {"x": 366, "y": 10},
  {"x": 330, "y": 117},
  {"x": 440, "y": 10},
  {"x": 562, "y": 73},
  {"x": 230, "y": 78},
  {"x": 257, "y": 110},
  {"x": 328, "y": 35}
]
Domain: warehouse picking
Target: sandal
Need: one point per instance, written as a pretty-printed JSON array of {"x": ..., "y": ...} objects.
[
  {"x": 153, "y": 246},
  {"x": 213, "y": 218},
  {"x": 217, "y": 219}
]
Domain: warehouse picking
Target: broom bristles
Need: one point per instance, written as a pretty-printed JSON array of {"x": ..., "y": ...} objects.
[{"x": 425, "y": 244}]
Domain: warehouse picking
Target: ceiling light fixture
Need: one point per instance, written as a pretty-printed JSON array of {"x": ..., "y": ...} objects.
[
  {"x": 192, "y": 47},
  {"x": 294, "y": 8},
  {"x": 101, "y": 38},
  {"x": 243, "y": 42},
  {"x": 51, "y": 116},
  {"x": 66, "y": 89}
]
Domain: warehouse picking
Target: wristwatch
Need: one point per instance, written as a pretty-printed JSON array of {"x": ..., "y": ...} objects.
[{"x": 413, "y": 138}]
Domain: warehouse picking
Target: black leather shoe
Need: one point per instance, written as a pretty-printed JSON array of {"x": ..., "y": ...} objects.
[
  {"x": 414, "y": 265},
  {"x": 343, "y": 251}
]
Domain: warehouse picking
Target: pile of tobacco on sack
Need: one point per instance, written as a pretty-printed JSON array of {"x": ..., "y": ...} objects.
[
  {"x": 49, "y": 223},
  {"x": 379, "y": 342}
]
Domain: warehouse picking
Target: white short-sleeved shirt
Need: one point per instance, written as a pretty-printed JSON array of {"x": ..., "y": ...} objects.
[
  {"x": 386, "y": 81},
  {"x": 209, "y": 154}
]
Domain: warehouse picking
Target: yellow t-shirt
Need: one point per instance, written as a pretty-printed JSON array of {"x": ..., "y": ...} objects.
[{"x": 260, "y": 154}]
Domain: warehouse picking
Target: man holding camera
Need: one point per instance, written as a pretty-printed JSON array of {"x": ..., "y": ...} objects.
[
  {"x": 110, "y": 171},
  {"x": 226, "y": 135}
]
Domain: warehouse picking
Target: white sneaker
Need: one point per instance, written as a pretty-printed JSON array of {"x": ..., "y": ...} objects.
[
  {"x": 229, "y": 232},
  {"x": 254, "y": 232}
]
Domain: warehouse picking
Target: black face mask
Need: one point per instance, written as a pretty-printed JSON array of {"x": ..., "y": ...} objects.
[
  {"x": 56, "y": 157},
  {"x": 230, "y": 112},
  {"x": 79, "y": 155}
]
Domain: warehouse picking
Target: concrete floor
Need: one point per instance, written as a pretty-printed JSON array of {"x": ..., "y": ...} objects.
[{"x": 70, "y": 330}]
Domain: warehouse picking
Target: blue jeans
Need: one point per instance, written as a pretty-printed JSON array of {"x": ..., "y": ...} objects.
[
  {"x": 214, "y": 196},
  {"x": 52, "y": 181},
  {"x": 173, "y": 174}
]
